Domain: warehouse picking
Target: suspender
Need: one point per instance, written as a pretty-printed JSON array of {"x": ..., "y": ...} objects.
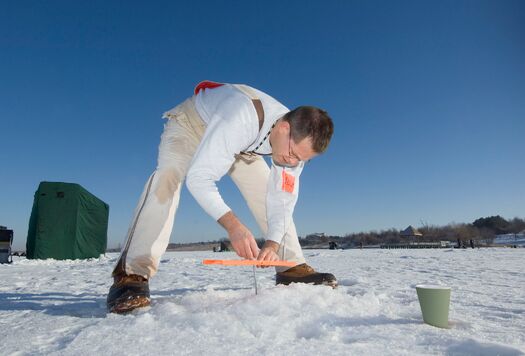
[
  {"x": 257, "y": 104},
  {"x": 260, "y": 114},
  {"x": 255, "y": 100},
  {"x": 208, "y": 84}
]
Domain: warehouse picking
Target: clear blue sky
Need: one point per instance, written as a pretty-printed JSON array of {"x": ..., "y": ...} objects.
[{"x": 428, "y": 100}]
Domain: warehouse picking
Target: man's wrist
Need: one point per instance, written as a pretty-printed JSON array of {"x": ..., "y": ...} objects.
[
  {"x": 274, "y": 246},
  {"x": 229, "y": 221}
]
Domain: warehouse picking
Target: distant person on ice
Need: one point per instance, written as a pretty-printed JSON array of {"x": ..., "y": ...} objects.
[{"x": 225, "y": 129}]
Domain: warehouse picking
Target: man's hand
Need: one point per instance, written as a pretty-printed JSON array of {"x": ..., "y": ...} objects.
[
  {"x": 241, "y": 238},
  {"x": 269, "y": 252}
]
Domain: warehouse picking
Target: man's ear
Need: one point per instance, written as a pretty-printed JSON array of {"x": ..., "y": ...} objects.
[{"x": 284, "y": 125}]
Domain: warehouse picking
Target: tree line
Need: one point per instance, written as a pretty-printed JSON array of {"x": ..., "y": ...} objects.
[{"x": 482, "y": 229}]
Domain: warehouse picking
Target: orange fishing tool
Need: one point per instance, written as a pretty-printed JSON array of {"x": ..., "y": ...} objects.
[{"x": 249, "y": 263}]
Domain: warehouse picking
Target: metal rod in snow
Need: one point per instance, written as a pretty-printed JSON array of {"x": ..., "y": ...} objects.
[{"x": 254, "y": 280}]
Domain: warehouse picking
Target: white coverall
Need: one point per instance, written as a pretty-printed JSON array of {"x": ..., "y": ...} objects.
[{"x": 203, "y": 139}]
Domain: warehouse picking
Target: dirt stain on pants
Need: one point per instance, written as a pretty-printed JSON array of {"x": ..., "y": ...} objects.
[{"x": 169, "y": 182}]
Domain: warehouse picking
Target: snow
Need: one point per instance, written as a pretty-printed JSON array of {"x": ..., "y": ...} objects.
[{"x": 58, "y": 307}]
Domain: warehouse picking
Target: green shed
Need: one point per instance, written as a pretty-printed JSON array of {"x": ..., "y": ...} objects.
[{"x": 67, "y": 222}]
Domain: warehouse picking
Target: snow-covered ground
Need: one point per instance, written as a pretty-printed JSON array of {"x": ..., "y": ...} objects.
[{"x": 58, "y": 307}]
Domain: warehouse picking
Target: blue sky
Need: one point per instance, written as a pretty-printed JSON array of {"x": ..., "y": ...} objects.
[{"x": 427, "y": 97}]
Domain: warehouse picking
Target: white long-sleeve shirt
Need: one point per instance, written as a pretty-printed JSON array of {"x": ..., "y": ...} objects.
[{"x": 233, "y": 127}]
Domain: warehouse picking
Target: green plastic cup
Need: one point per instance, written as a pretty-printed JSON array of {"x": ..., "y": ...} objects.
[{"x": 434, "y": 302}]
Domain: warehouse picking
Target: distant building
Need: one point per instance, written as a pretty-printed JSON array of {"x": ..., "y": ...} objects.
[
  {"x": 510, "y": 239},
  {"x": 410, "y": 231}
]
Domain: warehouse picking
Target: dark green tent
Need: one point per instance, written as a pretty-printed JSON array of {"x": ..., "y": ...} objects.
[{"x": 67, "y": 222}]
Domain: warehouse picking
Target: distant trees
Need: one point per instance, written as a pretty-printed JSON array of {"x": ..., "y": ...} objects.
[
  {"x": 450, "y": 232},
  {"x": 481, "y": 229},
  {"x": 516, "y": 225},
  {"x": 495, "y": 223}
]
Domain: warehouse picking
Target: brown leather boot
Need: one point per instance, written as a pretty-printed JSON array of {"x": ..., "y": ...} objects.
[
  {"x": 127, "y": 293},
  {"x": 305, "y": 274}
]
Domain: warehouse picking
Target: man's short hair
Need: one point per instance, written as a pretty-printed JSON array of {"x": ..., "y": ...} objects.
[{"x": 309, "y": 121}]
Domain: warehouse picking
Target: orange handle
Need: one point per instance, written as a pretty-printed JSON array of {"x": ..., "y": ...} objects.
[{"x": 249, "y": 263}]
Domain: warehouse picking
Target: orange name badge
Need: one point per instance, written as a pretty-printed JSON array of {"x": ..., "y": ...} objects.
[{"x": 288, "y": 182}]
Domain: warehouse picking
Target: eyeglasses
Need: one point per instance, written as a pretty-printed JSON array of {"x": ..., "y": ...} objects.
[
  {"x": 290, "y": 143},
  {"x": 292, "y": 159},
  {"x": 291, "y": 155}
]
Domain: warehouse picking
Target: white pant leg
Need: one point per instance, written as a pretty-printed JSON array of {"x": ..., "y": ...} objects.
[
  {"x": 150, "y": 230},
  {"x": 250, "y": 174}
]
